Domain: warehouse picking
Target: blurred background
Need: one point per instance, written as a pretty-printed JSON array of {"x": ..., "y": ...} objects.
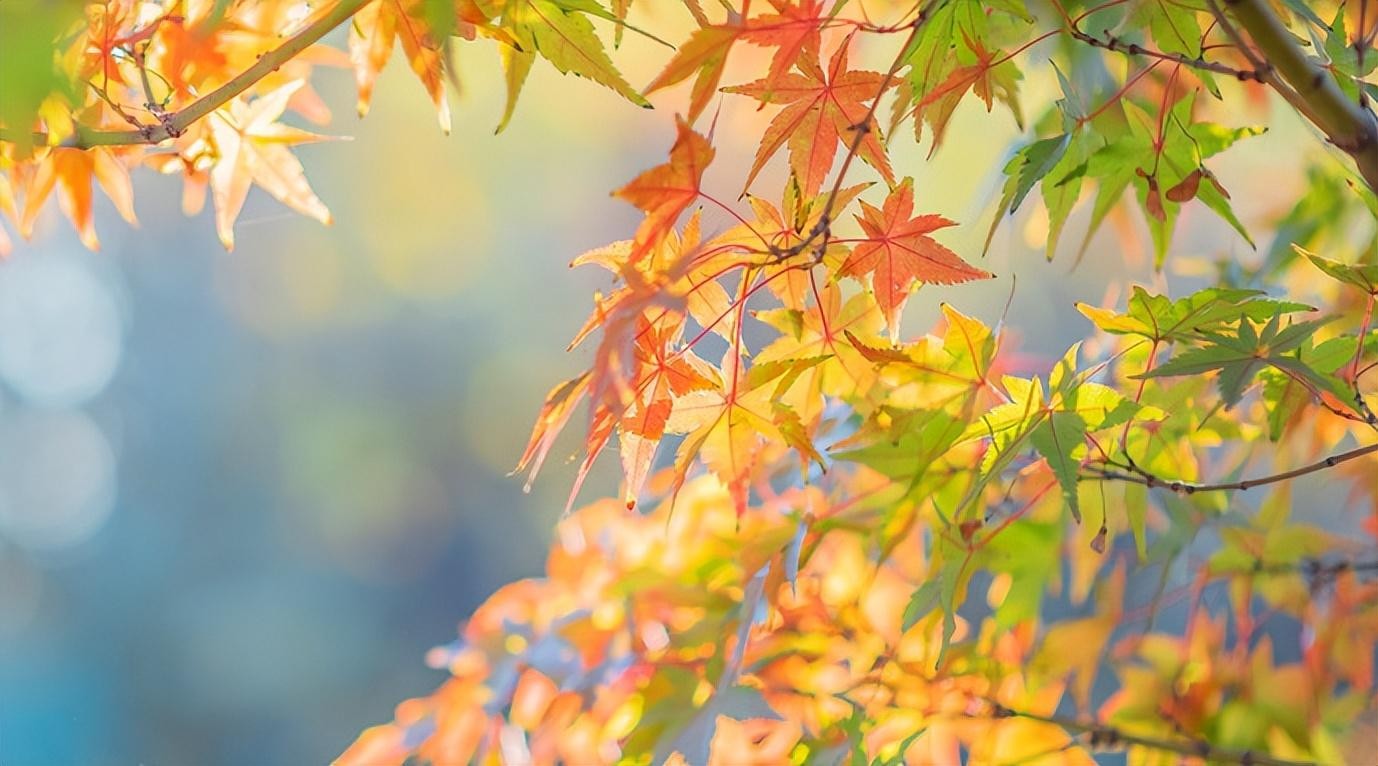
[{"x": 241, "y": 494}]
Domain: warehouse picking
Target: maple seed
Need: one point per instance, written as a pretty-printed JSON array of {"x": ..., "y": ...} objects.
[
  {"x": 1186, "y": 189},
  {"x": 1098, "y": 542}
]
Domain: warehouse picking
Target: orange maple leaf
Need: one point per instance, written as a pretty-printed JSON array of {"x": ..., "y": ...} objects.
[
  {"x": 559, "y": 405},
  {"x": 823, "y": 110},
  {"x": 665, "y": 191},
  {"x": 704, "y": 54},
  {"x": 637, "y": 375},
  {"x": 663, "y": 375},
  {"x": 793, "y": 30},
  {"x": 72, "y": 171},
  {"x": 897, "y": 253},
  {"x": 371, "y": 36}
]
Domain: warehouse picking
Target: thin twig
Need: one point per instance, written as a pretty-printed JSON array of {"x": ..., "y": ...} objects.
[
  {"x": 1134, "y": 474},
  {"x": 1105, "y": 736},
  {"x": 1270, "y": 76},
  {"x": 1114, "y": 44}
]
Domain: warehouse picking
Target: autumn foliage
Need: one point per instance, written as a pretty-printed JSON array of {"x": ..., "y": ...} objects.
[{"x": 838, "y": 540}]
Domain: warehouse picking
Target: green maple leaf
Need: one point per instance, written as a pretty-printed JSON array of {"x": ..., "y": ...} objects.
[
  {"x": 1160, "y": 318},
  {"x": 1361, "y": 275},
  {"x": 1127, "y": 158},
  {"x": 1061, "y": 440},
  {"x": 1239, "y": 358},
  {"x": 1173, "y": 24},
  {"x": 561, "y": 33},
  {"x": 1077, "y": 408}
]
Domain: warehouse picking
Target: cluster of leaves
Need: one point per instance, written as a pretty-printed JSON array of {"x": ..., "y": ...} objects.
[
  {"x": 805, "y": 588},
  {"x": 209, "y": 81}
]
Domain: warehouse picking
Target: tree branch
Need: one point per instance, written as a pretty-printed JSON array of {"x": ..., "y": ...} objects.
[
  {"x": 1106, "y": 736},
  {"x": 1137, "y": 475},
  {"x": 1347, "y": 124},
  {"x": 1114, "y": 44},
  {"x": 1270, "y": 76},
  {"x": 174, "y": 124},
  {"x": 1318, "y": 571}
]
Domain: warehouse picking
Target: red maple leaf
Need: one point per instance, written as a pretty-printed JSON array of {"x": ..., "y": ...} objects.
[
  {"x": 823, "y": 110},
  {"x": 898, "y": 253}
]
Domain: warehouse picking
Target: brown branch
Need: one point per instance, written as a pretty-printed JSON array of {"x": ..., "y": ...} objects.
[
  {"x": 1347, "y": 124},
  {"x": 1134, "y": 474},
  {"x": 1270, "y": 75},
  {"x": 1114, "y": 44},
  {"x": 1101, "y": 735},
  {"x": 176, "y": 123},
  {"x": 1316, "y": 570}
]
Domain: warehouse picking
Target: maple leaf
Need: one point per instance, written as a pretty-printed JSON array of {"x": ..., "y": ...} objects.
[
  {"x": 1213, "y": 309},
  {"x": 191, "y": 53},
  {"x": 1076, "y": 407},
  {"x": 72, "y": 172},
  {"x": 106, "y": 33},
  {"x": 1238, "y": 358},
  {"x": 898, "y": 253},
  {"x": 793, "y": 30},
  {"x": 822, "y": 110},
  {"x": 638, "y": 373},
  {"x": 665, "y": 191},
  {"x": 987, "y": 77},
  {"x": 818, "y": 353},
  {"x": 726, "y": 428},
  {"x": 376, "y": 27},
  {"x": 704, "y": 54},
  {"x": 251, "y": 148},
  {"x": 1361, "y": 275},
  {"x": 555, "y": 413},
  {"x": 560, "y": 31},
  {"x": 663, "y": 375}
]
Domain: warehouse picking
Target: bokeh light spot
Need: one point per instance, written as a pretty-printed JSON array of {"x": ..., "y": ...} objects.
[
  {"x": 62, "y": 336},
  {"x": 57, "y": 478}
]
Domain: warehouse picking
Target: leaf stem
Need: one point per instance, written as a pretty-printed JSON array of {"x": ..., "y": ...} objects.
[{"x": 1364, "y": 326}]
